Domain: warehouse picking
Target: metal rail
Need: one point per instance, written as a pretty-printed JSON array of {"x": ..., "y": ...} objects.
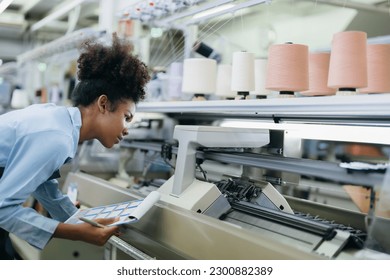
[
  {"x": 321, "y": 169},
  {"x": 117, "y": 243}
]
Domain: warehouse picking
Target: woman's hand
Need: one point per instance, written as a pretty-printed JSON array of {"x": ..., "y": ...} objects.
[
  {"x": 99, "y": 235},
  {"x": 88, "y": 233}
]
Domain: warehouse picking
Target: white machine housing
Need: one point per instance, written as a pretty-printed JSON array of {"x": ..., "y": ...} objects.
[{"x": 183, "y": 189}]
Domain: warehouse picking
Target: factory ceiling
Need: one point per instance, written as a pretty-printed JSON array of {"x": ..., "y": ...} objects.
[{"x": 22, "y": 20}]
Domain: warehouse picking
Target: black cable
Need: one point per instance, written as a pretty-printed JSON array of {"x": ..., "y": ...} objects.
[
  {"x": 168, "y": 163},
  {"x": 203, "y": 172}
]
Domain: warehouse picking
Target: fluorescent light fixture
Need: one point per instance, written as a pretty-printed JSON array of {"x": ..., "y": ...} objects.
[
  {"x": 213, "y": 11},
  {"x": 196, "y": 9},
  {"x": 4, "y": 5},
  {"x": 225, "y": 10},
  {"x": 56, "y": 14}
]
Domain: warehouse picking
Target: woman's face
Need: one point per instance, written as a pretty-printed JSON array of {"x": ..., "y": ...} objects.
[{"x": 114, "y": 124}]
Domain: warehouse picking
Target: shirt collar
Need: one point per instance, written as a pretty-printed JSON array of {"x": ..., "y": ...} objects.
[{"x": 75, "y": 116}]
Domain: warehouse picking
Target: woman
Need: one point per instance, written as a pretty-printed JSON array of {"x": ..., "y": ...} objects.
[{"x": 36, "y": 141}]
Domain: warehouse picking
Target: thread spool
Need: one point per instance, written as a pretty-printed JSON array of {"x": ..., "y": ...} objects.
[
  {"x": 378, "y": 69},
  {"x": 260, "y": 78},
  {"x": 125, "y": 28},
  {"x": 288, "y": 68},
  {"x": 199, "y": 76},
  {"x": 348, "y": 62},
  {"x": 19, "y": 99},
  {"x": 224, "y": 78},
  {"x": 318, "y": 75},
  {"x": 175, "y": 77},
  {"x": 243, "y": 73}
]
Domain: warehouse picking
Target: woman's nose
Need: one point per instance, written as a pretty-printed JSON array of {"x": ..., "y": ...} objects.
[{"x": 125, "y": 131}]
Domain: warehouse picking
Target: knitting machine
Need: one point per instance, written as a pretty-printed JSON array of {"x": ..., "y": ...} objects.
[{"x": 227, "y": 198}]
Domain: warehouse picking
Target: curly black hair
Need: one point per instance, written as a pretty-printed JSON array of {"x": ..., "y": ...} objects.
[{"x": 110, "y": 70}]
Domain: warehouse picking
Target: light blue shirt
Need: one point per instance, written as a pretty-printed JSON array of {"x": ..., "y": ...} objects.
[{"x": 34, "y": 143}]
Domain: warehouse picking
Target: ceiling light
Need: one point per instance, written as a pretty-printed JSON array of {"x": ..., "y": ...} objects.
[
  {"x": 56, "y": 14},
  {"x": 42, "y": 67},
  {"x": 4, "y": 5},
  {"x": 213, "y": 11},
  {"x": 156, "y": 32}
]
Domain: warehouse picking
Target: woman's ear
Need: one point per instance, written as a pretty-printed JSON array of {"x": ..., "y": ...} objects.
[{"x": 102, "y": 103}]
